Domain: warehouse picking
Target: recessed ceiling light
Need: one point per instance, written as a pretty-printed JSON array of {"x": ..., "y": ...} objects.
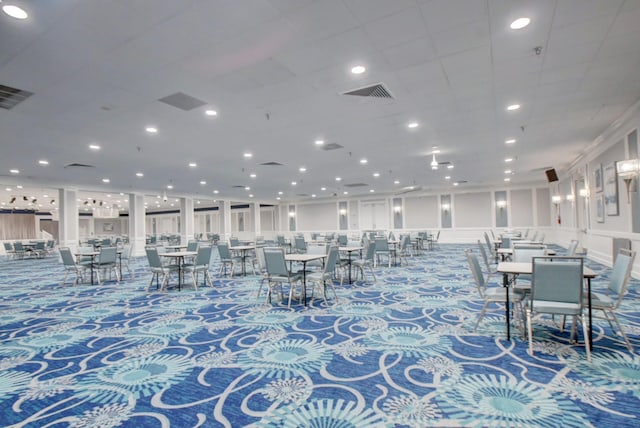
[
  {"x": 14, "y": 171},
  {"x": 139, "y": 174},
  {"x": 252, "y": 175},
  {"x": 448, "y": 177},
  {"x": 193, "y": 164},
  {"x": 371, "y": 190},
  {"x": 313, "y": 195},
  {"x": 507, "y": 179},
  {"x": 8, "y": 189},
  {"x": 345, "y": 193},
  {"x": 520, "y": 23},
  {"x": 507, "y": 171},
  {"x": 513, "y": 107},
  {"x": 456, "y": 183},
  {"x": 169, "y": 186},
  {"x": 412, "y": 125},
  {"x": 211, "y": 112},
  {"x": 358, "y": 69},
  {"x": 323, "y": 188},
  {"x": 43, "y": 162},
  {"x": 251, "y": 195},
  {"x": 19, "y": 186},
  {"x": 151, "y": 129},
  {"x": 247, "y": 188},
  {"x": 105, "y": 180},
  {"x": 511, "y": 141},
  {"x": 293, "y": 183},
  {"x": 396, "y": 182},
  {"x": 449, "y": 166},
  {"x": 435, "y": 151},
  {"x": 15, "y": 12},
  {"x": 247, "y": 155},
  {"x": 121, "y": 193},
  {"x": 508, "y": 160},
  {"x": 302, "y": 169},
  {"x": 363, "y": 161},
  {"x": 203, "y": 182},
  {"x": 278, "y": 198},
  {"x": 338, "y": 178},
  {"x": 319, "y": 142},
  {"x": 216, "y": 191},
  {"x": 94, "y": 146},
  {"x": 280, "y": 192}
]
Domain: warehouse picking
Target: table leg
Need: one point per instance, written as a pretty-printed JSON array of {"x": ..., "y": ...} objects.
[
  {"x": 304, "y": 282},
  {"x": 349, "y": 253},
  {"x": 590, "y": 320},
  {"x": 505, "y": 284}
]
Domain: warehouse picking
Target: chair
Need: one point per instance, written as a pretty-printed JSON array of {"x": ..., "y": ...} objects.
[
  {"x": 200, "y": 264},
  {"x": 524, "y": 253},
  {"x": 609, "y": 302},
  {"x": 404, "y": 249},
  {"x": 107, "y": 261},
  {"x": 506, "y": 241},
  {"x": 299, "y": 245},
  {"x": 490, "y": 247},
  {"x": 556, "y": 288},
  {"x": 227, "y": 259},
  {"x": 8, "y": 249},
  {"x": 125, "y": 258},
  {"x": 367, "y": 261},
  {"x": 326, "y": 275},
  {"x": 573, "y": 246},
  {"x": 490, "y": 270},
  {"x": 262, "y": 268},
  {"x": 158, "y": 268},
  {"x": 278, "y": 273},
  {"x": 70, "y": 266},
  {"x": 19, "y": 249},
  {"x": 488, "y": 295},
  {"x": 382, "y": 249},
  {"x": 317, "y": 249},
  {"x": 433, "y": 241},
  {"x": 343, "y": 240}
]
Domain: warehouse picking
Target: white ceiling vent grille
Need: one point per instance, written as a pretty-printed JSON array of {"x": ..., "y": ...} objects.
[
  {"x": 331, "y": 146},
  {"x": 271, "y": 164},
  {"x": 182, "y": 101},
  {"x": 11, "y": 97},
  {"x": 374, "y": 91},
  {"x": 78, "y": 165}
]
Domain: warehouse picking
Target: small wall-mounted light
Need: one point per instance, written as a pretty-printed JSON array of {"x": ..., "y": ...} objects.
[
  {"x": 446, "y": 207},
  {"x": 584, "y": 192},
  {"x": 501, "y": 204},
  {"x": 343, "y": 211},
  {"x": 397, "y": 208},
  {"x": 629, "y": 170},
  {"x": 556, "y": 199},
  {"x": 570, "y": 197},
  {"x": 292, "y": 214}
]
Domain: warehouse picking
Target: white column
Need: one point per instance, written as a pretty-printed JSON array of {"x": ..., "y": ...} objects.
[
  {"x": 256, "y": 227},
  {"x": 137, "y": 224},
  {"x": 187, "y": 218},
  {"x": 225, "y": 219},
  {"x": 68, "y": 218}
]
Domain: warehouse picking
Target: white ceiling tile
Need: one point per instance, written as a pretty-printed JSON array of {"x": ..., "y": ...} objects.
[{"x": 396, "y": 29}]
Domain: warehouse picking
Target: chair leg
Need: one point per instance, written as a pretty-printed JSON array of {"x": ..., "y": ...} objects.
[
  {"x": 480, "y": 316},
  {"x": 624, "y": 336},
  {"x": 530, "y": 331},
  {"x": 585, "y": 333}
]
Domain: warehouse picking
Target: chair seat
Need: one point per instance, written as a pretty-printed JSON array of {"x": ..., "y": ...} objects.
[
  {"x": 599, "y": 300},
  {"x": 497, "y": 294},
  {"x": 291, "y": 278},
  {"x": 562, "y": 308}
]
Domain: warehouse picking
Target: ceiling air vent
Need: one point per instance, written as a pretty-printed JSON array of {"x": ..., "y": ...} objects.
[
  {"x": 271, "y": 164},
  {"x": 302, "y": 195},
  {"x": 331, "y": 146},
  {"x": 238, "y": 186},
  {"x": 182, "y": 101},
  {"x": 11, "y": 97},
  {"x": 78, "y": 165},
  {"x": 376, "y": 91},
  {"x": 356, "y": 185}
]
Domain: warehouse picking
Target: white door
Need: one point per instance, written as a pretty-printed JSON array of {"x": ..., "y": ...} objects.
[{"x": 374, "y": 215}]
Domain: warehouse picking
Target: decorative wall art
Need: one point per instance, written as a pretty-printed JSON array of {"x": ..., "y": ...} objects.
[{"x": 610, "y": 183}]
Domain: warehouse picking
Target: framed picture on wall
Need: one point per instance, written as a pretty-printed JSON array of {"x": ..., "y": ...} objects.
[
  {"x": 610, "y": 182},
  {"x": 107, "y": 227},
  {"x": 597, "y": 178},
  {"x": 600, "y": 208}
]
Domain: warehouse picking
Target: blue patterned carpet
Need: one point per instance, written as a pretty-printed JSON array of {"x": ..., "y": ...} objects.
[{"x": 400, "y": 352}]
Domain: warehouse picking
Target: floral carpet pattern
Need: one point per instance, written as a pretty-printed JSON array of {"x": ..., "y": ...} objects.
[{"x": 397, "y": 352}]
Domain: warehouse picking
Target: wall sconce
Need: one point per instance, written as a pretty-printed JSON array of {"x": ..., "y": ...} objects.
[
  {"x": 628, "y": 170},
  {"x": 343, "y": 211},
  {"x": 445, "y": 207},
  {"x": 570, "y": 197},
  {"x": 292, "y": 214},
  {"x": 397, "y": 209},
  {"x": 501, "y": 204},
  {"x": 556, "y": 199},
  {"x": 584, "y": 192}
]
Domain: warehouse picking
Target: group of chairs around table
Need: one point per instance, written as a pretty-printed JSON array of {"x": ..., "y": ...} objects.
[
  {"x": 556, "y": 287},
  {"x": 88, "y": 260},
  {"x": 37, "y": 249}
]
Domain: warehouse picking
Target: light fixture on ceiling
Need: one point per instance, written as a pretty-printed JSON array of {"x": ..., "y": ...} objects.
[
  {"x": 520, "y": 23},
  {"x": 629, "y": 170},
  {"x": 164, "y": 196},
  {"x": 12, "y": 200},
  {"x": 358, "y": 69},
  {"x": 15, "y": 11},
  {"x": 434, "y": 162}
]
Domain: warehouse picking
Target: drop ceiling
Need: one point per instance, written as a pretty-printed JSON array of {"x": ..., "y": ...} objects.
[{"x": 276, "y": 72}]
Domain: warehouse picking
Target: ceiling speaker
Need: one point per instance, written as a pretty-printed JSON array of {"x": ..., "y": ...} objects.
[{"x": 551, "y": 175}]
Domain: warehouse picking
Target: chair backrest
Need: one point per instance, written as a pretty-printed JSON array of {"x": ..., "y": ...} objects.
[
  {"x": 40, "y": 245},
  {"x": 107, "y": 255},
  {"x": 489, "y": 245},
  {"x": 234, "y": 242},
  {"x": 126, "y": 252},
  {"x": 300, "y": 244},
  {"x": 573, "y": 246},
  {"x": 18, "y": 246},
  {"x": 534, "y": 237},
  {"x": 392, "y": 237},
  {"x": 223, "y": 250},
  {"x": 343, "y": 240},
  {"x": 318, "y": 248},
  {"x": 370, "y": 251},
  {"x": 404, "y": 242},
  {"x": 153, "y": 257},
  {"x": 262, "y": 264},
  {"x": 274, "y": 259},
  {"x": 483, "y": 252},
  {"x": 557, "y": 279},
  {"x": 621, "y": 274},
  {"x": 203, "y": 256},
  {"x": 67, "y": 257},
  {"x": 332, "y": 258},
  {"x": 382, "y": 244},
  {"x": 106, "y": 241},
  {"x": 526, "y": 254},
  {"x": 8, "y": 247},
  {"x": 192, "y": 246},
  {"x": 438, "y": 236},
  {"x": 280, "y": 239},
  {"x": 476, "y": 271},
  {"x": 526, "y": 234},
  {"x": 506, "y": 241}
]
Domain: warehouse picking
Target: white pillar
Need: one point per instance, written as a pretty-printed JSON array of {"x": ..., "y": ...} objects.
[
  {"x": 187, "y": 218},
  {"x": 256, "y": 227},
  {"x": 68, "y": 229},
  {"x": 225, "y": 219},
  {"x": 137, "y": 224}
]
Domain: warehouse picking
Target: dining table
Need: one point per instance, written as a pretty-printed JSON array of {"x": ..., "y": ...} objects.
[
  {"x": 180, "y": 256},
  {"x": 304, "y": 259},
  {"x": 526, "y": 268},
  {"x": 350, "y": 249},
  {"x": 243, "y": 249}
]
